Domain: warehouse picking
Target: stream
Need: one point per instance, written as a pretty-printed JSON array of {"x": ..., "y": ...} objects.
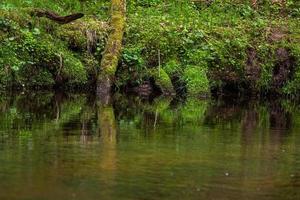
[{"x": 71, "y": 146}]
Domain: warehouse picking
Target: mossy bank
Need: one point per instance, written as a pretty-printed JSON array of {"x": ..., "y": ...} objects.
[{"x": 191, "y": 48}]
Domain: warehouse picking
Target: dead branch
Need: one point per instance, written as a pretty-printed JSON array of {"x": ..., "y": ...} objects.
[{"x": 55, "y": 17}]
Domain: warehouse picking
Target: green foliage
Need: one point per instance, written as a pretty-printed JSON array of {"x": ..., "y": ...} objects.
[
  {"x": 216, "y": 37},
  {"x": 73, "y": 70},
  {"x": 172, "y": 67},
  {"x": 84, "y": 35},
  {"x": 293, "y": 8},
  {"x": 201, "y": 44},
  {"x": 40, "y": 53},
  {"x": 33, "y": 58},
  {"x": 293, "y": 86},
  {"x": 196, "y": 80},
  {"x": 98, "y": 8},
  {"x": 132, "y": 60},
  {"x": 144, "y": 3}
]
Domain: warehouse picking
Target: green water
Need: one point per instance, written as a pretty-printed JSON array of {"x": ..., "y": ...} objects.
[{"x": 59, "y": 147}]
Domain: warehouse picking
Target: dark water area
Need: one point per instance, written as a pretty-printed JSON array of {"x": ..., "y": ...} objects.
[{"x": 70, "y": 146}]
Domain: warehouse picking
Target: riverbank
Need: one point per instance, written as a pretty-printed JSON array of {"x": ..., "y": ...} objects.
[{"x": 180, "y": 47}]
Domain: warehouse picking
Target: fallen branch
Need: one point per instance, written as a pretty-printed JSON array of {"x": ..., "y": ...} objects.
[{"x": 55, "y": 17}]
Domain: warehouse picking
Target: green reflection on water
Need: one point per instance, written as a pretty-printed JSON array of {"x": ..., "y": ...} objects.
[{"x": 58, "y": 146}]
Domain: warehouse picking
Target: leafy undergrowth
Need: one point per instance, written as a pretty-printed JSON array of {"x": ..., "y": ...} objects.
[
  {"x": 206, "y": 47},
  {"x": 197, "y": 46},
  {"x": 38, "y": 53}
]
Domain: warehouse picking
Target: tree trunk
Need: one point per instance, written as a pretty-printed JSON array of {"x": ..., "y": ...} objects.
[{"x": 113, "y": 48}]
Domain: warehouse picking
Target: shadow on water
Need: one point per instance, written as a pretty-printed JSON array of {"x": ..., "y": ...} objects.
[{"x": 73, "y": 146}]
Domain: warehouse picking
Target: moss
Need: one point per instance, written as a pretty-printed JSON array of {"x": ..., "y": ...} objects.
[
  {"x": 112, "y": 51},
  {"x": 88, "y": 34},
  {"x": 18, "y": 18},
  {"x": 34, "y": 58},
  {"x": 91, "y": 65},
  {"x": 37, "y": 77},
  {"x": 172, "y": 67},
  {"x": 196, "y": 80},
  {"x": 292, "y": 87},
  {"x": 5, "y": 76},
  {"x": 162, "y": 80},
  {"x": 217, "y": 41},
  {"x": 73, "y": 70},
  {"x": 216, "y": 38}
]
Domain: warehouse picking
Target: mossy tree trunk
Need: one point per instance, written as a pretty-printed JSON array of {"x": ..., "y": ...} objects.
[{"x": 113, "y": 48}]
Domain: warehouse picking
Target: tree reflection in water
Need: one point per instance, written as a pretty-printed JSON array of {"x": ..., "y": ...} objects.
[{"x": 64, "y": 145}]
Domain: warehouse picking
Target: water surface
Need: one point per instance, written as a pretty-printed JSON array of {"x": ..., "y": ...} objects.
[{"x": 58, "y": 146}]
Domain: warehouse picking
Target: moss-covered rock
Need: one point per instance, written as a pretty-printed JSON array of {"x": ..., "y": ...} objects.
[
  {"x": 162, "y": 80},
  {"x": 87, "y": 34}
]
